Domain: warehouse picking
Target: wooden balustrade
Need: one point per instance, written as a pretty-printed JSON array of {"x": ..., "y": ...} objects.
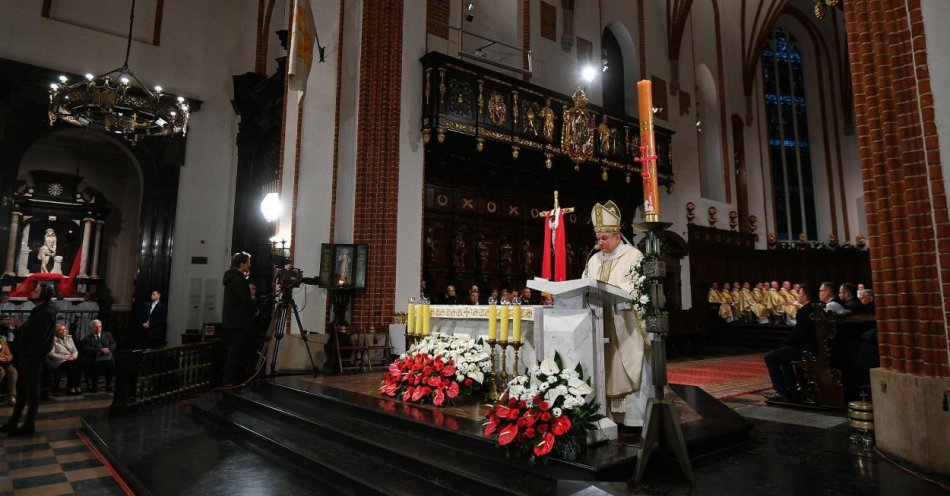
[{"x": 155, "y": 375}]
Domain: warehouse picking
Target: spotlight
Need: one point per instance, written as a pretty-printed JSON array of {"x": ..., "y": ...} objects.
[
  {"x": 469, "y": 8},
  {"x": 588, "y": 73},
  {"x": 270, "y": 207}
]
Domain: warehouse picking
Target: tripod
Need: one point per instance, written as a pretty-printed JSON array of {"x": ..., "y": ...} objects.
[{"x": 282, "y": 310}]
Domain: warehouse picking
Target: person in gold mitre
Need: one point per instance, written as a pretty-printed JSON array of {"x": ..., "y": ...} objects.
[{"x": 626, "y": 363}]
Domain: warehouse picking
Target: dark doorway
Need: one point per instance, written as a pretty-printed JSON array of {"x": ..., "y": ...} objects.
[{"x": 612, "y": 78}]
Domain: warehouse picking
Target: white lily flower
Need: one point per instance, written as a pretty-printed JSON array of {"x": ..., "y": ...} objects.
[{"x": 549, "y": 367}]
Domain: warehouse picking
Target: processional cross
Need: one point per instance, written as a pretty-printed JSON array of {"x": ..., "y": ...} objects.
[{"x": 554, "y": 241}]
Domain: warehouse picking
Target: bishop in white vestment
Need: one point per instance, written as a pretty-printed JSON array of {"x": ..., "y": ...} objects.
[{"x": 626, "y": 356}]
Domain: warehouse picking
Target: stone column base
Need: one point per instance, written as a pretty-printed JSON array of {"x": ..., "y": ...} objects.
[{"x": 909, "y": 420}]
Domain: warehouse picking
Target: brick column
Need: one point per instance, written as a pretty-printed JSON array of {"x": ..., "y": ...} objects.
[
  {"x": 377, "y": 158},
  {"x": 903, "y": 183}
]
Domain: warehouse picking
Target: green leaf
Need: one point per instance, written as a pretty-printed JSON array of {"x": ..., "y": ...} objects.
[
  {"x": 558, "y": 361},
  {"x": 579, "y": 370}
]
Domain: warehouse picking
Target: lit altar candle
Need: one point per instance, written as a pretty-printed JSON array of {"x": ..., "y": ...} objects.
[
  {"x": 504, "y": 324},
  {"x": 420, "y": 317},
  {"x": 426, "y": 314},
  {"x": 492, "y": 322},
  {"x": 411, "y": 317},
  {"x": 516, "y": 323},
  {"x": 651, "y": 201}
]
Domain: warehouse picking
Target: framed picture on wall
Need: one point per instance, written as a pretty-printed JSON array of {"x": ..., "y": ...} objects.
[{"x": 343, "y": 266}]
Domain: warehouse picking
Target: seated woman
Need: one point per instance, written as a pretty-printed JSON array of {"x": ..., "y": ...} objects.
[
  {"x": 8, "y": 371},
  {"x": 65, "y": 357}
]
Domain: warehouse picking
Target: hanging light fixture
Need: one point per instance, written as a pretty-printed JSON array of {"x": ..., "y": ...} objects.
[
  {"x": 820, "y": 7},
  {"x": 116, "y": 102}
]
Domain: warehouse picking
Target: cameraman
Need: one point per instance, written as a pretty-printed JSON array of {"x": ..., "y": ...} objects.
[{"x": 238, "y": 318}]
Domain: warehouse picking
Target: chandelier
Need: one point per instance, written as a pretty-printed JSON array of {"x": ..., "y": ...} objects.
[
  {"x": 820, "y": 7},
  {"x": 116, "y": 102}
]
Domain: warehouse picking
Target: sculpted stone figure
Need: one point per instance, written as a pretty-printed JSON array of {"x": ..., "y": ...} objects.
[{"x": 47, "y": 251}]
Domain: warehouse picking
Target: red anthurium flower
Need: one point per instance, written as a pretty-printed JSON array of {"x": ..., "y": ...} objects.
[
  {"x": 394, "y": 368},
  {"x": 453, "y": 390},
  {"x": 529, "y": 418},
  {"x": 468, "y": 381},
  {"x": 542, "y": 428},
  {"x": 561, "y": 425},
  {"x": 418, "y": 394},
  {"x": 537, "y": 399},
  {"x": 439, "y": 365},
  {"x": 546, "y": 417},
  {"x": 507, "y": 434},
  {"x": 501, "y": 411},
  {"x": 529, "y": 432},
  {"x": 448, "y": 370},
  {"x": 513, "y": 413},
  {"x": 491, "y": 426},
  {"x": 407, "y": 394},
  {"x": 513, "y": 402},
  {"x": 546, "y": 445},
  {"x": 523, "y": 404},
  {"x": 544, "y": 406},
  {"x": 438, "y": 398}
]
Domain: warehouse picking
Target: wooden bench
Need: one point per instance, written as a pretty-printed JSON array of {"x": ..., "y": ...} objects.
[{"x": 822, "y": 373}]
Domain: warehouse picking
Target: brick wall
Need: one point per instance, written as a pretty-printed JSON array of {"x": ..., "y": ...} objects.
[
  {"x": 377, "y": 158},
  {"x": 906, "y": 204},
  {"x": 548, "y": 21},
  {"x": 438, "y": 11},
  {"x": 525, "y": 35}
]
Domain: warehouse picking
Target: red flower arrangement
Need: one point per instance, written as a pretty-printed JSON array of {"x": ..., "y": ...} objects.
[
  {"x": 543, "y": 412},
  {"x": 423, "y": 377}
]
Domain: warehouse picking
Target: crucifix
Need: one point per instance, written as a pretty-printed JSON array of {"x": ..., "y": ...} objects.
[{"x": 554, "y": 241}]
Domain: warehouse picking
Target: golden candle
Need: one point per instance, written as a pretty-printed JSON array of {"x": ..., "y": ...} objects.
[
  {"x": 411, "y": 318},
  {"x": 516, "y": 323},
  {"x": 420, "y": 313},
  {"x": 651, "y": 200},
  {"x": 426, "y": 324},
  {"x": 504, "y": 324},
  {"x": 492, "y": 322}
]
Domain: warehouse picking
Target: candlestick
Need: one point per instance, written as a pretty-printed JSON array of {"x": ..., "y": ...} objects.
[
  {"x": 492, "y": 387},
  {"x": 492, "y": 320},
  {"x": 647, "y": 159},
  {"x": 516, "y": 324},
  {"x": 514, "y": 366},
  {"x": 504, "y": 323}
]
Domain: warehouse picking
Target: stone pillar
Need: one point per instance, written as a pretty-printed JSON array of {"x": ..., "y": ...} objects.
[
  {"x": 11, "y": 244},
  {"x": 22, "y": 259},
  {"x": 86, "y": 233},
  {"x": 95, "y": 250},
  {"x": 908, "y": 225}
]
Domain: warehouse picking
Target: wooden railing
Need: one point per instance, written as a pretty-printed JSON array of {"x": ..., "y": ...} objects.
[{"x": 155, "y": 375}]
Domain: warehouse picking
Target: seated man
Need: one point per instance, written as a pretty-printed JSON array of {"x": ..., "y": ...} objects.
[
  {"x": 867, "y": 301},
  {"x": 473, "y": 296},
  {"x": 848, "y": 294},
  {"x": 7, "y": 370},
  {"x": 802, "y": 338},
  {"x": 726, "y": 307},
  {"x": 450, "y": 297},
  {"x": 96, "y": 351},
  {"x": 776, "y": 303},
  {"x": 826, "y": 295}
]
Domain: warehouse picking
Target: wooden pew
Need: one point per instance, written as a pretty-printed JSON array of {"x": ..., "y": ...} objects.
[{"x": 821, "y": 375}]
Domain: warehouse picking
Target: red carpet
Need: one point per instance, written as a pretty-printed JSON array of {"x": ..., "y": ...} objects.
[{"x": 723, "y": 377}]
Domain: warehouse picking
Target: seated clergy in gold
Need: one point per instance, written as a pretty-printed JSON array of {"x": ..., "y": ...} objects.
[
  {"x": 746, "y": 303},
  {"x": 791, "y": 302},
  {"x": 626, "y": 355},
  {"x": 776, "y": 303},
  {"x": 725, "y": 308},
  {"x": 713, "y": 296},
  {"x": 760, "y": 307}
]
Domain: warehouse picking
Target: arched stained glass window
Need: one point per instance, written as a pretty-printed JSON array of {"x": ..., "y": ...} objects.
[{"x": 789, "y": 151}]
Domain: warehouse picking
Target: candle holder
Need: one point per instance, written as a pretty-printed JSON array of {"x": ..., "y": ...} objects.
[
  {"x": 514, "y": 365},
  {"x": 492, "y": 387},
  {"x": 504, "y": 362}
]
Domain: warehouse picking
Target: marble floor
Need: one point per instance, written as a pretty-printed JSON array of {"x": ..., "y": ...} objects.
[{"x": 55, "y": 460}]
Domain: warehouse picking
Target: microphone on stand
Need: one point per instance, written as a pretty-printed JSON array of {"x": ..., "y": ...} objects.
[{"x": 596, "y": 248}]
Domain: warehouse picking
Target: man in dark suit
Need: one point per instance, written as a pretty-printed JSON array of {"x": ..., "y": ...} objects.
[
  {"x": 802, "y": 337},
  {"x": 96, "y": 353},
  {"x": 154, "y": 315},
  {"x": 34, "y": 341},
  {"x": 238, "y": 318}
]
